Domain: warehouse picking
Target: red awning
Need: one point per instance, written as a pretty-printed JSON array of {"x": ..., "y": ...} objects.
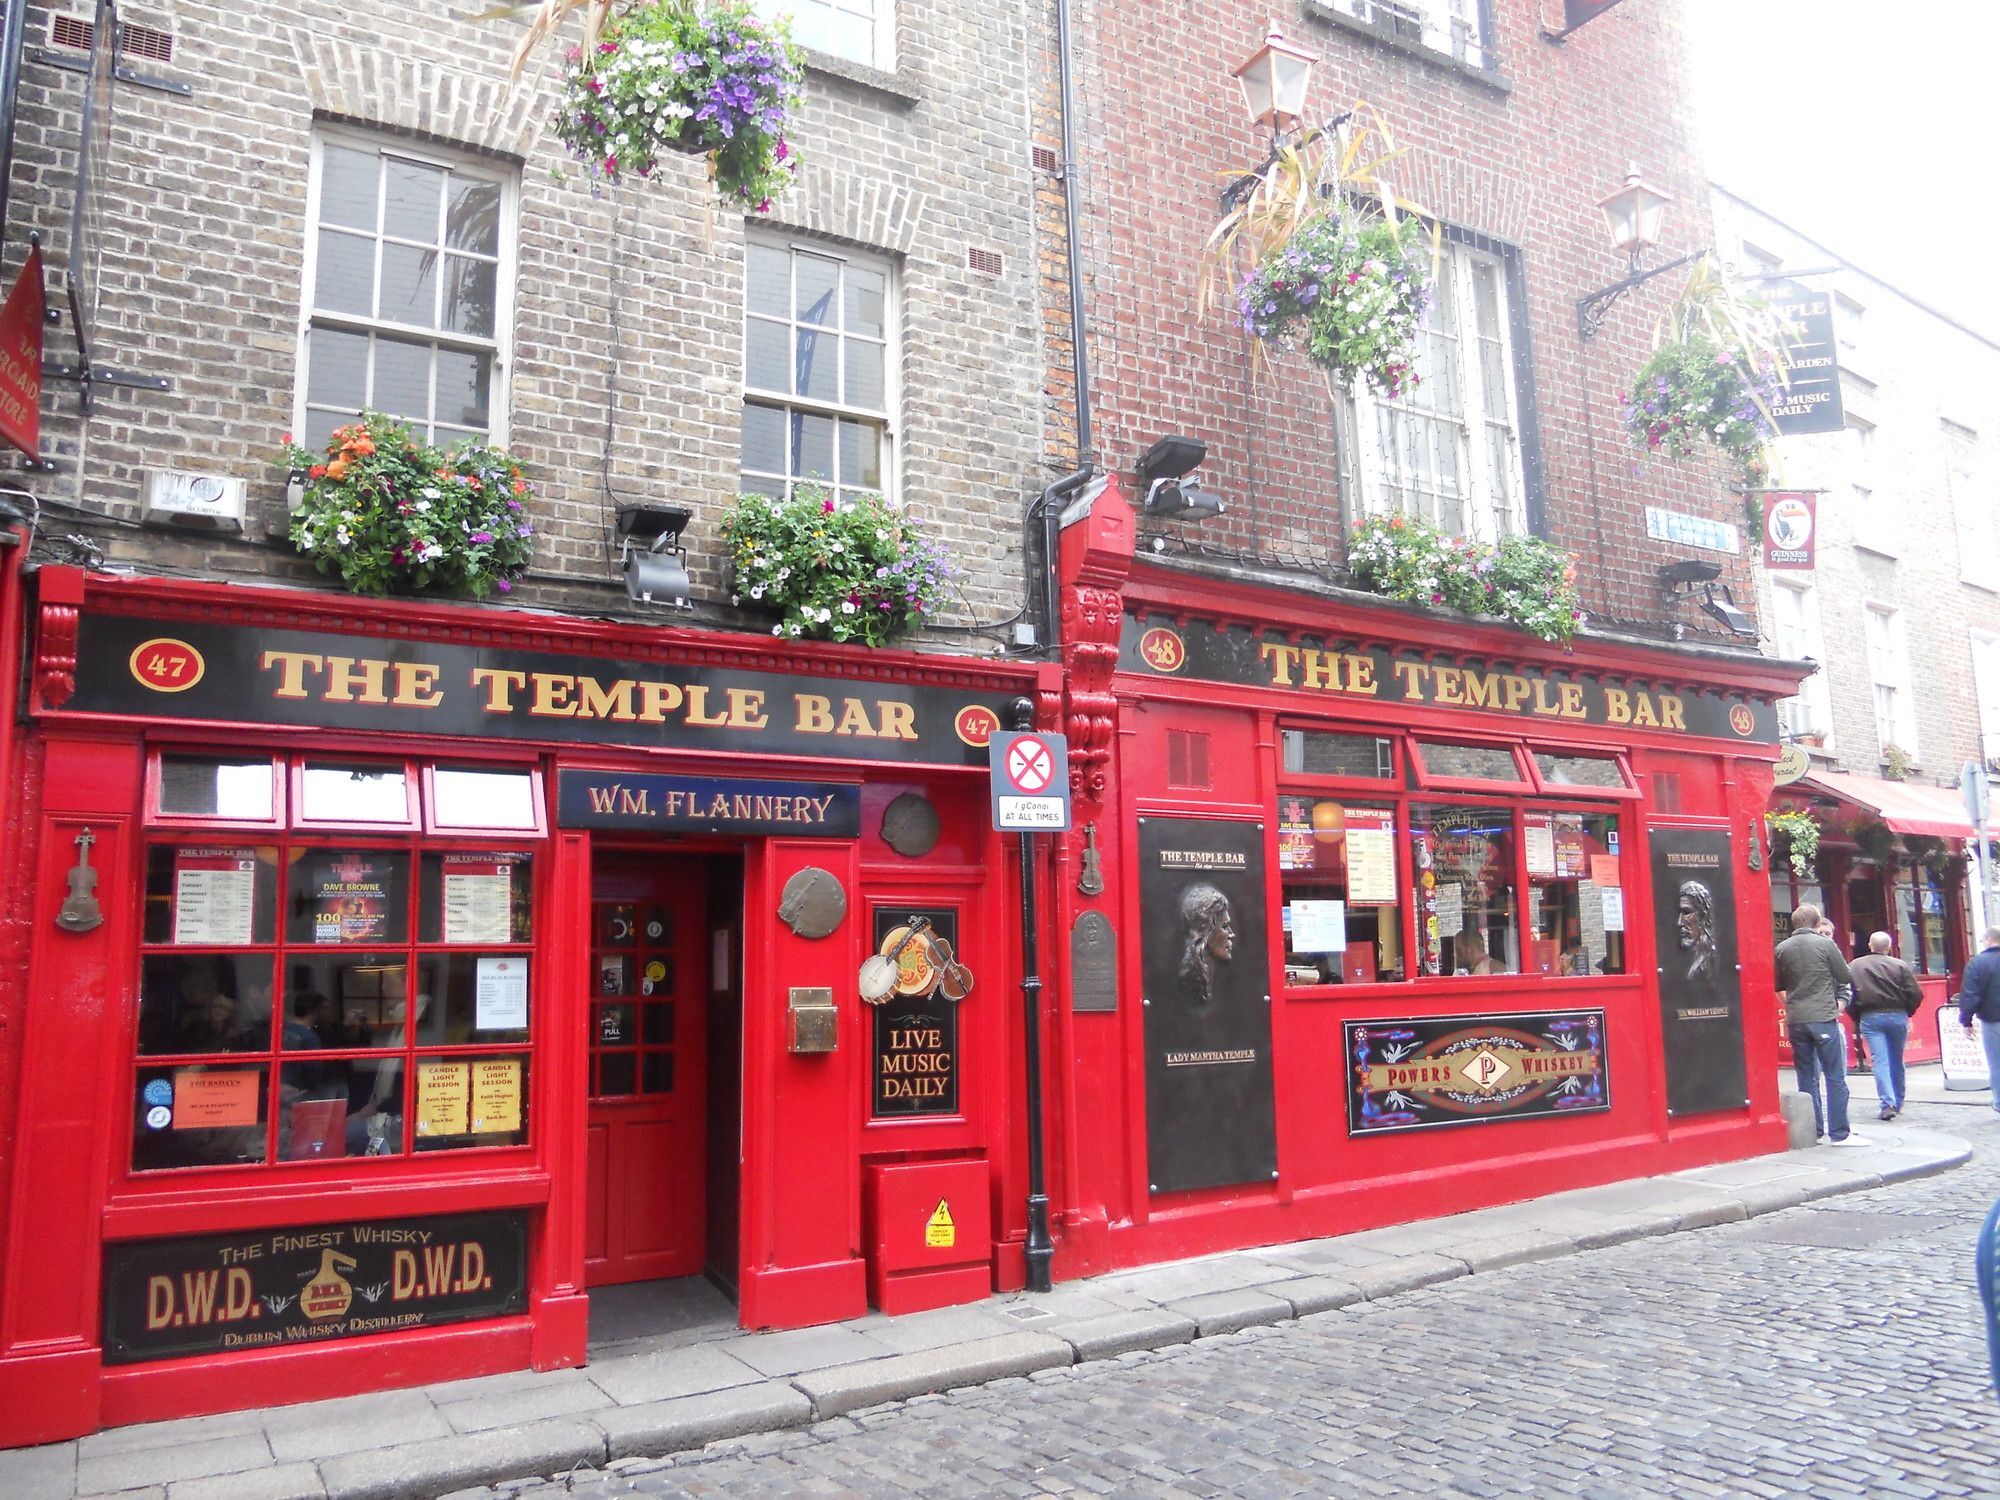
[{"x": 1903, "y": 805}]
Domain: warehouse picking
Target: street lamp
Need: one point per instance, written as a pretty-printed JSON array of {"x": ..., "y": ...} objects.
[
  {"x": 1633, "y": 214},
  {"x": 1274, "y": 80}
]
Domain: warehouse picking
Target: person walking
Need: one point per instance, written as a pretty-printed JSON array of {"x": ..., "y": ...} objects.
[
  {"x": 1811, "y": 974},
  {"x": 1885, "y": 997},
  {"x": 1979, "y": 996}
]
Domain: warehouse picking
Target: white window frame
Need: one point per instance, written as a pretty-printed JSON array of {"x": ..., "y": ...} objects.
[
  {"x": 1797, "y": 635},
  {"x": 1848, "y": 316},
  {"x": 887, "y": 419},
  {"x": 1370, "y": 470},
  {"x": 1889, "y": 674},
  {"x": 500, "y": 346},
  {"x": 1454, "y": 28},
  {"x": 1972, "y": 509},
  {"x": 1877, "y": 527},
  {"x": 1986, "y": 692},
  {"x": 881, "y": 15}
]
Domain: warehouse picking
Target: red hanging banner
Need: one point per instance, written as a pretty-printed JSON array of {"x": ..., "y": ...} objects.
[
  {"x": 1791, "y": 526},
  {"x": 21, "y": 323}
]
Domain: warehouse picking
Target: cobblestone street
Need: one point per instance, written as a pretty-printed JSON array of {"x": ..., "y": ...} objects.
[{"x": 1829, "y": 1350}]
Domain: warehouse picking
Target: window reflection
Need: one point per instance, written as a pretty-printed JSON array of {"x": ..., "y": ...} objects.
[
  {"x": 1578, "y": 899},
  {"x": 1465, "y": 862}
]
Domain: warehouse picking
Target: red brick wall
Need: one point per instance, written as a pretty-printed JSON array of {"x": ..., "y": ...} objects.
[{"x": 1162, "y": 128}]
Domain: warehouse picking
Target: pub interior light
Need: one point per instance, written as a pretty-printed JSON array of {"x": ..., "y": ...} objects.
[
  {"x": 650, "y": 554},
  {"x": 1634, "y": 214},
  {"x": 1274, "y": 80}
]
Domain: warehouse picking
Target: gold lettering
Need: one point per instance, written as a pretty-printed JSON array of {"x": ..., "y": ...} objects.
[
  {"x": 697, "y": 710},
  {"x": 1361, "y": 674},
  {"x": 746, "y": 708},
  {"x": 291, "y": 667},
  {"x": 1617, "y": 706},
  {"x": 1482, "y": 690},
  {"x": 1572, "y": 700},
  {"x": 1642, "y": 711},
  {"x": 1518, "y": 688},
  {"x": 500, "y": 687},
  {"x": 1543, "y": 704},
  {"x": 1673, "y": 712},
  {"x": 344, "y": 674},
  {"x": 1319, "y": 671},
  {"x": 1279, "y": 660},
  {"x": 1413, "y": 674},
  {"x": 899, "y": 720},
  {"x": 594, "y": 701},
  {"x": 552, "y": 700},
  {"x": 854, "y": 720},
  {"x": 657, "y": 700},
  {"x": 416, "y": 685},
  {"x": 815, "y": 714}
]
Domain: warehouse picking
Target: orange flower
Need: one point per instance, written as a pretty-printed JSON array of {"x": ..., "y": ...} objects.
[
  {"x": 520, "y": 486},
  {"x": 364, "y": 445},
  {"x": 337, "y": 469}
]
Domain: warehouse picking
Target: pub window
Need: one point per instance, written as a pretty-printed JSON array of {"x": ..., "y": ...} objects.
[
  {"x": 861, "y": 31},
  {"x": 463, "y": 797},
  {"x": 1575, "y": 894},
  {"x": 1318, "y": 752},
  {"x": 1560, "y": 769},
  {"x": 1450, "y": 761},
  {"x": 216, "y": 788},
  {"x": 1920, "y": 920},
  {"x": 308, "y": 997},
  {"x": 1465, "y": 864},
  {"x": 1341, "y": 920}
]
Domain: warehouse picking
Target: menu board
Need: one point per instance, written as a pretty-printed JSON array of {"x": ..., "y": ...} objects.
[
  {"x": 214, "y": 895},
  {"x": 1540, "y": 841},
  {"x": 443, "y": 1090},
  {"x": 349, "y": 896},
  {"x": 496, "y": 1095},
  {"x": 500, "y": 993},
  {"x": 1371, "y": 856},
  {"x": 478, "y": 899}
]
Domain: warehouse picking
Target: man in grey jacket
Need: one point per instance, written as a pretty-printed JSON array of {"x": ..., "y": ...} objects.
[{"x": 1812, "y": 977}]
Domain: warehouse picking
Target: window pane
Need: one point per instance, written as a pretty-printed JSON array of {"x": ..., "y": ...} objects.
[
  {"x": 478, "y": 1101},
  {"x": 349, "y": 896},
  {"x": 347, "y": 1000},
  {"x": 347, "y": 184},
  {"x": 767, "y": 280},
  {"x": 764, "y": 439},
  {"x": 1340, "y": 918},
  {"x": 463, "y": 383},
  {"x": 410, "y": 204},
  {"x": 337, "y": 369},
  {"x": 339, "y": 1108},
  {"x": 1577, "y": 770},
  {"x": 199, "y": 1116},
  {"x": 815, "y": 369},
  {"x": 1312, "y": 752},
  {"x": 861, "y": 455},
  {"x": 403, "y": 380},
  {"x": 462, "y": 798},
  {"x": 219, "y": 897},
  {"x": 200, "y": 786},
  {"x": 409, "y": 285},
  {"x": 479, "y": 997},
  {"x": 207, "y": 1002},
  {"x": 617, "y": 1074},
  {"x": 481, "y": 897},
  {"x": 344, "y": 275},
  {"x": 658, "y": 1073},
  {"x": 1468, "y": 762},
  {"x": 864, "y": 375},
  {"x": 867, "y": 301},
  {"x": 767, "y": 352},
  {"x": 471, "y": 289},
  {"x": 320, "y": 427},
  {"x": 825, "y": 29},
  {"x": 1464, "y": 889},
  {"x": 1565, "y": 851},
  {"x": 472, "y": 219},
  {"x": 354, "y": 794},
  {"x": 816, "y": 280},
  {"x": 812, "y": 446}
]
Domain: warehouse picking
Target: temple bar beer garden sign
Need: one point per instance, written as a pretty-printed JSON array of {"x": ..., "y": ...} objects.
[
  {"x": 1328, "y": 666},
  {"x": 1810, "y": 401},
  {"x": 1210, "y": 1116},
  {"x": 1463, "y": 1070},
  {"x": 187, "y": 670},
  {"x": 1701, "y": 993},
  {"x": 707, "y": 804},
  {"x": 269, "y": 1288}
]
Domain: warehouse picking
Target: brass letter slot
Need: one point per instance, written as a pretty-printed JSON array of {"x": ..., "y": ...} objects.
[{"x": 812, "y": 1015}]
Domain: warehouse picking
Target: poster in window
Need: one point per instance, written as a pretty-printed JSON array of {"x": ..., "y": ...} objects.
[
  {"x": 478, "y": 899},
  {"x": 216, "y": 1098},
  {"x": 1295, "y": 833},
  {"x": 1701, "y": 1003},
  {"x": 916, "y": 1041},
  {"x": 1371, "y": 857},
  {"x": 500, "y": 993},
  {"x": 1206, "y": 980},
  {"x": 1318, "y": 926},
  {"x": 443, "y": 1091},
  {"x": 351, "y": 895},
  {"x": 1450, "y": 899},
  {"x": 496, "y": 1095},
  {"x": 214, "y": 895}
]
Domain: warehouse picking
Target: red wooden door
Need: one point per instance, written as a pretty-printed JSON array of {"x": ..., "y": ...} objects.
[{"x": 648, "y": 1061}]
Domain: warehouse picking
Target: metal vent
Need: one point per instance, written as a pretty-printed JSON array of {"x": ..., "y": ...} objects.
[
  {"x": 138, "y": 39},
  {"x": 1187, "y": 759},
  {"x": 985, "y": 262},
  {"x": 1046, "y": 160}
]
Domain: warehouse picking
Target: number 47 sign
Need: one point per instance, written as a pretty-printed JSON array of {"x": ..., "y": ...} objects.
[{"x": 1030, "y": 776}]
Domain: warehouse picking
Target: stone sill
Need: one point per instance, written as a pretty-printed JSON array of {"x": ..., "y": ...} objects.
[
  {"x": 1387, "y": 33},
  {"x": 899, "y": 89}
]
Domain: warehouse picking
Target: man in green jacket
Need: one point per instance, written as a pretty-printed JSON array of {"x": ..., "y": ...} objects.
[{"x": 1811, "y": 977}]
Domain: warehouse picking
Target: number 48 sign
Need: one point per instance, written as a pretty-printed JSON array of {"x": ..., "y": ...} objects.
[{"x": 1030, "y": 775}]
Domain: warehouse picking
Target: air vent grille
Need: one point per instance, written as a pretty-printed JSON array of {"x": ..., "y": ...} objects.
[
  {"x": 75, "y": 34},
  {"x": 985, "y": 262},
  {"x": 1046, "y": 160},
  {"x": 1187, "y": 759}
]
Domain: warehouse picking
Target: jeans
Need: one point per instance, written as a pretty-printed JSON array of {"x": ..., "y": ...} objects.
[
  {"x": 1821, "y": 1047},
  {"x": 1885, "y": 1032},
  {"x": 1989, "y": 1034}
]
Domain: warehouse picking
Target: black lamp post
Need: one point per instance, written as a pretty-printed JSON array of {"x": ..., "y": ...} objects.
[
  {"x": 1274, "y": 80},
  {"x": 1633, "y": 214}
]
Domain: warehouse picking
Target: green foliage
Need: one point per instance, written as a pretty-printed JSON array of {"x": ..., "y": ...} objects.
[
  {"x": 1800, "y": 832},
  {"x": 861, "y": 571},
  {"x": 391, "y": 515},
  {"x": 1348, "y": 291},
  {"x": 1522, "y": 580}
]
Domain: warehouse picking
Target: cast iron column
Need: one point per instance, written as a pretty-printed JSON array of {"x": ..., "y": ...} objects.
[{"x": 1041, "y": 1249}]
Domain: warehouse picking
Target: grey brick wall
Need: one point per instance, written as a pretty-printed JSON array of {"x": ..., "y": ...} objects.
[{"x": 205, "y": 236}]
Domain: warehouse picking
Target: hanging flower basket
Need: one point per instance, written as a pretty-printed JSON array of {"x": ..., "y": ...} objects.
[
  {"x": 1348, "y": 291},
  {"x": 862, "y": 571},
  {"x": 710, "y": 79},
  {"x": 1798, "y": 831},
  {"x": 1522, "y": 580},
  {"x": 392, "y": 516}
]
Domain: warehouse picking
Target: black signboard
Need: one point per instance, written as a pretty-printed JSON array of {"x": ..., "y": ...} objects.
[
  {"x": 87, "y": 209},
  {"x": 916, "y": 1027},
  {"x": 1810, "y": 401},
  {"x": 1701, "y": 997},
  {"x": 1206, "y": 970},
  {"x": 707, "y": 804},
  {"x": 1331, "y": 669},
  {"x": 181, "y": 669},
  {"x": 1467, "y": 1070},
  {"x": 1581, "y": 12},
  {"x": 264, "y": 1289}
]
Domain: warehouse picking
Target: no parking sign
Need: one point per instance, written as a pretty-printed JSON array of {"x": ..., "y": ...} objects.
[{"x": 1030, "y": 776}]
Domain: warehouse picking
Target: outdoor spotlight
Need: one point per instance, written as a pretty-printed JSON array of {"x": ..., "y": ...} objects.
[
  {"x": 650, "y": 554},
  {"x": 1724, "y": 610},
  {"x": 1689, "y": 570},
  {"x": 1181, "y": 500},
  {"x": 1170, "y": 458}
]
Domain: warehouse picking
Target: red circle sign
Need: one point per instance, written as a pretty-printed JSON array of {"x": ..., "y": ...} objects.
[
  {"x": 1030, "y": 766},
  {"x": 166, "y": 665},
  {"x": 976, "y": 724}
]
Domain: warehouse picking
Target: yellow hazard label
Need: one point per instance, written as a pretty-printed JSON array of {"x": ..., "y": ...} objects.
[{"x": 940, "y": 1233}]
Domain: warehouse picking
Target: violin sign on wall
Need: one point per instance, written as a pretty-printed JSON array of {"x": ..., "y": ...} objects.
[{"x": 80, "y": 912}]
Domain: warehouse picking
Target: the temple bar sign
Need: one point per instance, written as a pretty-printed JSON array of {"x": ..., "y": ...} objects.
[
  {"x": 178, "y": 669},
  {"x": 1329, "y": 667}
]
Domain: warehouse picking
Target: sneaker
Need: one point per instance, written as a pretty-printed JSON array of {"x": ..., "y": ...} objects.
[
  {"x": 1888, "y": 1112},
  {"x": 1850, "y": 1139}
]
